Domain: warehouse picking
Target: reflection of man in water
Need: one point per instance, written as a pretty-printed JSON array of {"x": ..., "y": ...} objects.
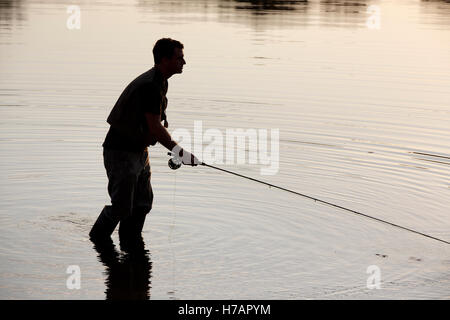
[
  {"x": 135, "y": 123},
  {"x": 128, "y": 275}
]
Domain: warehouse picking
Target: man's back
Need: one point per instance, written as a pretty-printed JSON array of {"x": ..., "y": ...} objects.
[{"x": 146, "y": 93}]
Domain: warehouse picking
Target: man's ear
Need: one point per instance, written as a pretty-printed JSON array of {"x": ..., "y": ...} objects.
[{"x": 164, "y": 61}]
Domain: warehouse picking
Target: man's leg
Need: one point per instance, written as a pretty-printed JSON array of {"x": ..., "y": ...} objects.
[
  {"x": 122, "y": 169},
  {"x": 131, "y": 227},
  {"x": 104, "y": 226}
]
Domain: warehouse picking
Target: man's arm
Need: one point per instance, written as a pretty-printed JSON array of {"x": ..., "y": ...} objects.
[{"x": 157, "y": 131}]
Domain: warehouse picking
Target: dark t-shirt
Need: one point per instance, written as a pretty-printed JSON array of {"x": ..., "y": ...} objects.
[
  {"x": 117, "y": 141},
  {"x": 149, "y": 98}
]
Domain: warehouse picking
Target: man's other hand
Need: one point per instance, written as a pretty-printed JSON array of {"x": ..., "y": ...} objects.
[{"x": 190, "y": 159}]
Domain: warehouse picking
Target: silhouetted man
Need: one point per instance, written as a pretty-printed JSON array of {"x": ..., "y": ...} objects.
[{"x": 135, "y": 123}]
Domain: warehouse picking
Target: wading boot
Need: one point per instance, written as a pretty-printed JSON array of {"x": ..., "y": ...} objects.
[
  {"x": 130, "y": 230},
  {"x": 103, "y": 227}
]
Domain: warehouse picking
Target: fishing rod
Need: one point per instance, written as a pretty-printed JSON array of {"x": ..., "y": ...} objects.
[{"x": 175, "y": 163}]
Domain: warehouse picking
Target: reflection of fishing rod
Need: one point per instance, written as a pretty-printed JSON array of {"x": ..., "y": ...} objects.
[{"x": 175, "y": 162}]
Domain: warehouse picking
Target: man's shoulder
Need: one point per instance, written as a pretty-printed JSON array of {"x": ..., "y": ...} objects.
[
  {"x": 148, "y": 77},
  {"x": 143, "y": 81}
]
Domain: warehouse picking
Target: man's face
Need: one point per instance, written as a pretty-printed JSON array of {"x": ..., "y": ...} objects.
[{"x": 177, "y": 61}]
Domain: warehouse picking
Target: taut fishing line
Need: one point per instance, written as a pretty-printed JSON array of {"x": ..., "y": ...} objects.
[
  {"x": 172, "y": 226},
  {"x": 317, "y": 200}
]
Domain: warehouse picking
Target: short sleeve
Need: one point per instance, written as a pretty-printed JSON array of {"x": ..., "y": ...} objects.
[{"x": 150, "y": 99}]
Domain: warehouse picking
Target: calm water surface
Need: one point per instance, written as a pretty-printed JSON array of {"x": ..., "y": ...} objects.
[{"x": 363, "y": 114}]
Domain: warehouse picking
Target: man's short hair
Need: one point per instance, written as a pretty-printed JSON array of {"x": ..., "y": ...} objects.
[{"x": 165, "y": 47}]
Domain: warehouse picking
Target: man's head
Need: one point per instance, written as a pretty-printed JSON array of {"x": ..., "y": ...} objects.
[{"x": 168, "y": 55}]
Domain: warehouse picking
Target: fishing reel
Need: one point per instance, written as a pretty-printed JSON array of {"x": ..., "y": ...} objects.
[{"x": 175, "y": 162}]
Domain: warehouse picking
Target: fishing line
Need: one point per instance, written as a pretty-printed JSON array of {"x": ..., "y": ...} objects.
[
  {"x": 175, "y": 163},
  {"x": 174, "y": 212},
  {"x": 327, "y": 203},
  {"x": 172, "y": 226}
]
